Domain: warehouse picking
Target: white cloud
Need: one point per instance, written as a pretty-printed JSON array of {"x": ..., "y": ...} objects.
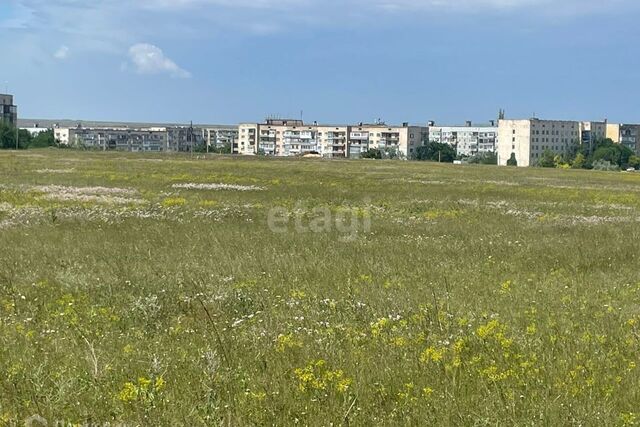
[
  {"x": 149, "y": 59},
  {"x": 566, "y": 7},
  {"x": 62, "y": 53},
  {"x": 112, "y": 26}
]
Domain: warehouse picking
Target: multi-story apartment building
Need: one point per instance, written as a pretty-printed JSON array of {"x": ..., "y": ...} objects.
[
  {"x": 625, "y": 134},
  {"x": 527, "y": 140},
  {"x": 469, "y": 140},
  {"x": 277, "y": 137},
  {"x": 293, "y": 137},
  {"x": 403, "y": 140},
  {"x": 8, "y": 111},
  {"x": 120, "y": 139},
  {"x": 333, "y": 141},
  {"x": 219, "y": 137},
  {"x": 133, "y": 139},
  {"x": 592, "y": 132},
  {"x": 136, "y": 136}
]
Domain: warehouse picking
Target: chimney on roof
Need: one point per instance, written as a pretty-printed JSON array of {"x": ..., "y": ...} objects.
[
  {"x": 431, "y": 123},
  {"x": 405, "y": 124},
  {"x": 468, "y": 123},
  {"x": 492, "y": 123}
]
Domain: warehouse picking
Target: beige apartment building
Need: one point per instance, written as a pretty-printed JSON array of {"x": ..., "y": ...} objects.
[
  {"x": 281, "y": 137},
  {"x": 526, "y": 140},
  {"x": 625, "y": 134}
]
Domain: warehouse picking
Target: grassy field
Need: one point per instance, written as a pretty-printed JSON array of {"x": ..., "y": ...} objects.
[{"x": 398, "y": 293}]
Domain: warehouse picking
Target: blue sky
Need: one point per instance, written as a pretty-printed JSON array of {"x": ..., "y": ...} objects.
[{"x": 226, "y": 61}]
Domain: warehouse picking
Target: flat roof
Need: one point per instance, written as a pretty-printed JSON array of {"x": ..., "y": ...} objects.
[
  {"x": 473, "y": 125},
  {"x": 329, "y": 125},
  {"x": 69, "y": 123}
]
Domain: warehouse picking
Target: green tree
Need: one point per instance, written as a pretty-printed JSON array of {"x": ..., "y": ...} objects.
[
  {"x": 579, "y": 161},
  {"x": 435, "y": 151},
  {"x": 484, "y": 159},
  {"x": 224, "y": 149},
  {"x": 43, "y": 139},
  {"x": 616, "y": 154},
  {"x": 605, "y": 165},
  {"x": 372, "y": 153},
  {"x": 512, "y": 160},
  {"x": 634, "y": 161},
  {"x": 547, "y": 160},
  {"x": 8, "y": 137}
]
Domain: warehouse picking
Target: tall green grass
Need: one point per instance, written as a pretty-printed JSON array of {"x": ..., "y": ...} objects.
[{"x": 480, "y": 295}]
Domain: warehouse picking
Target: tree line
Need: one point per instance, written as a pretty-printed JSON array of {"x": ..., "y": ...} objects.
[
  {"x": 8, "y": 134},
  {"x": 604, "y": 154}
]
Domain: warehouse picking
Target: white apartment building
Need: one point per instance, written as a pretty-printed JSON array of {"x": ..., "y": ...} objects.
[
  {"x": 526, "y": 140},
  {"x": 468, "y": 140},
  {"x": 277, "y": 137}
]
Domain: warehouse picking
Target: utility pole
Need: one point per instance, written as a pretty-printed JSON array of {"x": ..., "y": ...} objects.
[
  {"x": 17, "y": 137},
  {"x": 190, "y": 136}
]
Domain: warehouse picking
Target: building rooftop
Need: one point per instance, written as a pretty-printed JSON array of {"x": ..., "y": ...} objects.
[
  {"x": 68, "y": 123},
  {"x": 298, "y": 123}
]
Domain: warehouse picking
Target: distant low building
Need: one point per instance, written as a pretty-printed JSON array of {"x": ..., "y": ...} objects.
[
  {"x": 8, "y": 111},
  {"x": 121, "y": 139},
  {"x": 127, "y": 136},
  {"x": 153, "y": 139},
  {"x": 468, "y": 140},
  {"x": 33, "y": 129},
  {"x": 284, "y": 138}
]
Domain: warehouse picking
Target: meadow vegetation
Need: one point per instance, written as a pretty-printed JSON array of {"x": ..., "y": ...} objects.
[{"x": 150, "y": 290}]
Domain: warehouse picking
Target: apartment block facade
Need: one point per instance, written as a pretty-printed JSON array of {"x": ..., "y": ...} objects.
[
  {"x": 221, "y": 136},
  {"x": 286, "y": 138},
  {"x": 468, "y": 140},
  {"x": 8, "y": 111},
  {"x": 527, "y": 140},
  {"x": 625, "y": 134},
  {"x": 592, "y": 132},
  {"x": 153, "y": 139},
  {"x": 119, "y": 139}
]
